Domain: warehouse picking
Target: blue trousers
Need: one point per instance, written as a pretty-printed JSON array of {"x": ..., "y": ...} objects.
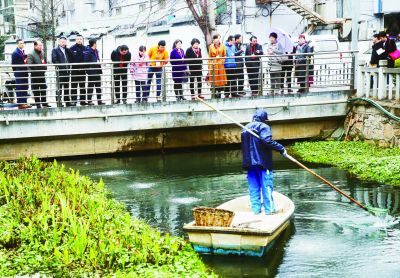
[
  {"x": 21, "y": 89},
  {"x": 261, "y": 183},
  {"x": 151, "y": 72}
]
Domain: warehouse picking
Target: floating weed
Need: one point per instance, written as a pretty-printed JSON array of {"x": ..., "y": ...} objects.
[
  {"x": 366, "y": 161},
  {"x": 55, "y": 222}
]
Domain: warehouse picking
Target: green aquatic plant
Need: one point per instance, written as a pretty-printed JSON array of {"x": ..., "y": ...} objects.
[
  {"x": 57, "y": 222},
  {"x": 367, "y": 162}
]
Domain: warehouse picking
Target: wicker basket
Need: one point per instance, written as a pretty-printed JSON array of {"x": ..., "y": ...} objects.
[{"x": 204, "y": 216}]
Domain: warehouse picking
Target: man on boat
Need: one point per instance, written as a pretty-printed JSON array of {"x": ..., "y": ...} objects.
[{"x": 257, "y": 160}]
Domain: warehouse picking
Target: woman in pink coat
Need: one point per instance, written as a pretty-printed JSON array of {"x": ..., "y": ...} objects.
[{"x": 138, "y": 68}]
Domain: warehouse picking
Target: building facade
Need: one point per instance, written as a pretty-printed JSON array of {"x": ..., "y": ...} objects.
[{"x": 139, "y": 22}]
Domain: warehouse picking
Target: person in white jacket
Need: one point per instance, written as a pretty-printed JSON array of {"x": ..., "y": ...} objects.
[
  {"x": 276, "y": 51},
  {"x": 138, "y": 69}
]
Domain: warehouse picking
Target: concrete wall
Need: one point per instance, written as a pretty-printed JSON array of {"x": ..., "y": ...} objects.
[
  {"x": 366, "y": 123},
  {"x": 155, "y": 126}
]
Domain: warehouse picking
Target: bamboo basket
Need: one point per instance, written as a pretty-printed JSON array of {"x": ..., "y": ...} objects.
[{"x": 204, "y": 216}]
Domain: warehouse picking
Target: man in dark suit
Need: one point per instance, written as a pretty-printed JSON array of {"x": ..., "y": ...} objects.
[
  {"x": 93, "y": 71},
  {"x": 62, "y": 55},
  {"x": 253, "y": 50},
  {"x": 122, "y": 56},
  {"x": 21, "y": 75},
  {"x": 78, "y": 73}
]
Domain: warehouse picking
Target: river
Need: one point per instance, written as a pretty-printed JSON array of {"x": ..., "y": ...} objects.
[{"x": 329, "y": 237}]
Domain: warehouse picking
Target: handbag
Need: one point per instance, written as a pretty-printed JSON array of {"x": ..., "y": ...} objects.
[{"x": 394, "y": 55}]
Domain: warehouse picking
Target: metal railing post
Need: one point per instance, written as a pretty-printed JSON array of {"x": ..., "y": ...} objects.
[
  {"x": 261, "y": 79},
  {"x": 164, "y": 84},
  {"x": 213, "y": 80},
  {"x": 353, "y": 72},
  {"x": 58, "y": 91},
  {"x": 112, "y": 85},
  {"x": 307, "y": 73},
  {"x": 2, "y": 94}
]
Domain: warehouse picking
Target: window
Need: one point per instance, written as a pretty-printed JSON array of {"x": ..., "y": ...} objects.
[
  {"x": 162, "y": 3},
  {"x": 118, "y": 11},
  {"x": 142, "y": 7}
]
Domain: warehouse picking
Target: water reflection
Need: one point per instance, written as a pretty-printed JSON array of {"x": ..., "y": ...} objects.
[{"x": 332, "y": 237}]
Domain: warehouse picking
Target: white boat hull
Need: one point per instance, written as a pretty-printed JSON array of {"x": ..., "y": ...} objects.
[{"x": 249, "y": 234}]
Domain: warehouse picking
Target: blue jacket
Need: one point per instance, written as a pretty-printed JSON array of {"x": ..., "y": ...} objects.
[
  {"x": 230, "y": 61},
  {"x": 18, "y": 58},
  {"x": 258, "y": 152},
  {"x": 92, "y": 56}
]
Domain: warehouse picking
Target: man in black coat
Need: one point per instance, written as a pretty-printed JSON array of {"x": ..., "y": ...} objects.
[
  {"x": 62, "y": 55},
  {"x": 377, "y": 47},
  {"x": 93, "y": 71},
  {"x": 121, "y": 58},
  {"x": 195, "y": 67},
  {"x": 78, "y": 73},
  {"x": 254, "y": 50}
]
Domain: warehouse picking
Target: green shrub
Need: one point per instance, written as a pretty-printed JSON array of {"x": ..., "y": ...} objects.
[
  {"x": 54, "y": 221},
  {"x": 366, "y": 161}
]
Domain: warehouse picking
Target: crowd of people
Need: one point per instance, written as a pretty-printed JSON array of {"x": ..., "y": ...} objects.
[
  {"x": 226, "y": 69},
  {"x": 382, "y": 47}
]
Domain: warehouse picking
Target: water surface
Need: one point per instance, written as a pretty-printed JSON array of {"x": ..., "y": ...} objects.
[{"x": 329, "y": 237}]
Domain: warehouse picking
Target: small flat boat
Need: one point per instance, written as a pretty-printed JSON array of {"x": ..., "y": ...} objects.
[{"x": 248, "y": 234}]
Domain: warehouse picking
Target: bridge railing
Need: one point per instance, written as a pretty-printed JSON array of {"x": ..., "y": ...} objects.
[
  {"x": 107, "y": 83},
  {"x": 381, "y": 83}
]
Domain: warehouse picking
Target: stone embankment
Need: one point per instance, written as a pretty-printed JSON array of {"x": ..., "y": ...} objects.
[{"x": 369, "y": 124}]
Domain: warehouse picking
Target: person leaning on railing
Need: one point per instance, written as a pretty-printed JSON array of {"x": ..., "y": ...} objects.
[
  {"x": 61, "y": 55},
  {"x": 123, "y": 56},
  {"x": 93, "y": 71},
  {"x": 217, "y": 75},
  {"x": 195, "y": 67},
  {"x": 18, "y": 57},
  {"x": 158, "y": 59},
  {"x": 253, "y": 51},
  {"x": 78, "y": 72},
  {"x": 138, "y": 69},
  {"x": 38, "y": 74}
]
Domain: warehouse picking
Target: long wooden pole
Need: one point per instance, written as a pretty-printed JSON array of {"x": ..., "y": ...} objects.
[{"x": 288, "y": 156}]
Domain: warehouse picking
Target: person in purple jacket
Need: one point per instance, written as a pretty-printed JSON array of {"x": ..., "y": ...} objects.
[{"x": 179, "y": 69}]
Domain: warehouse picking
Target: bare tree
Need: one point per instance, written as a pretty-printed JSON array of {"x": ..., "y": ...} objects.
[
  {"x": 201, "y": 13},
  {"x": 43, "y": 20}
]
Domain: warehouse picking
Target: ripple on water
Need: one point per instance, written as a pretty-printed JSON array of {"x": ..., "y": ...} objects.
[
  {"x": 111, "y": 173},
  {"x": 141, "y": 185},
  {"x": 185, "y": 200}
]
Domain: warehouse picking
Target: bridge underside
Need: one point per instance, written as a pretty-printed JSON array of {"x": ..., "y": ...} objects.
[{"x": 77, "y": 131}]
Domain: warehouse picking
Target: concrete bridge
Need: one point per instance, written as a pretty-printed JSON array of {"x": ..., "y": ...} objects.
[
  {"x": 92, "y": 130},
  {"x": 112, "y": 128}
]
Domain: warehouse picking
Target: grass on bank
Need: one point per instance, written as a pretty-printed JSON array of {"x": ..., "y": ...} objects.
[
  {"x": 54, "y": 221},
  {"x": 366, "y": 161}
]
